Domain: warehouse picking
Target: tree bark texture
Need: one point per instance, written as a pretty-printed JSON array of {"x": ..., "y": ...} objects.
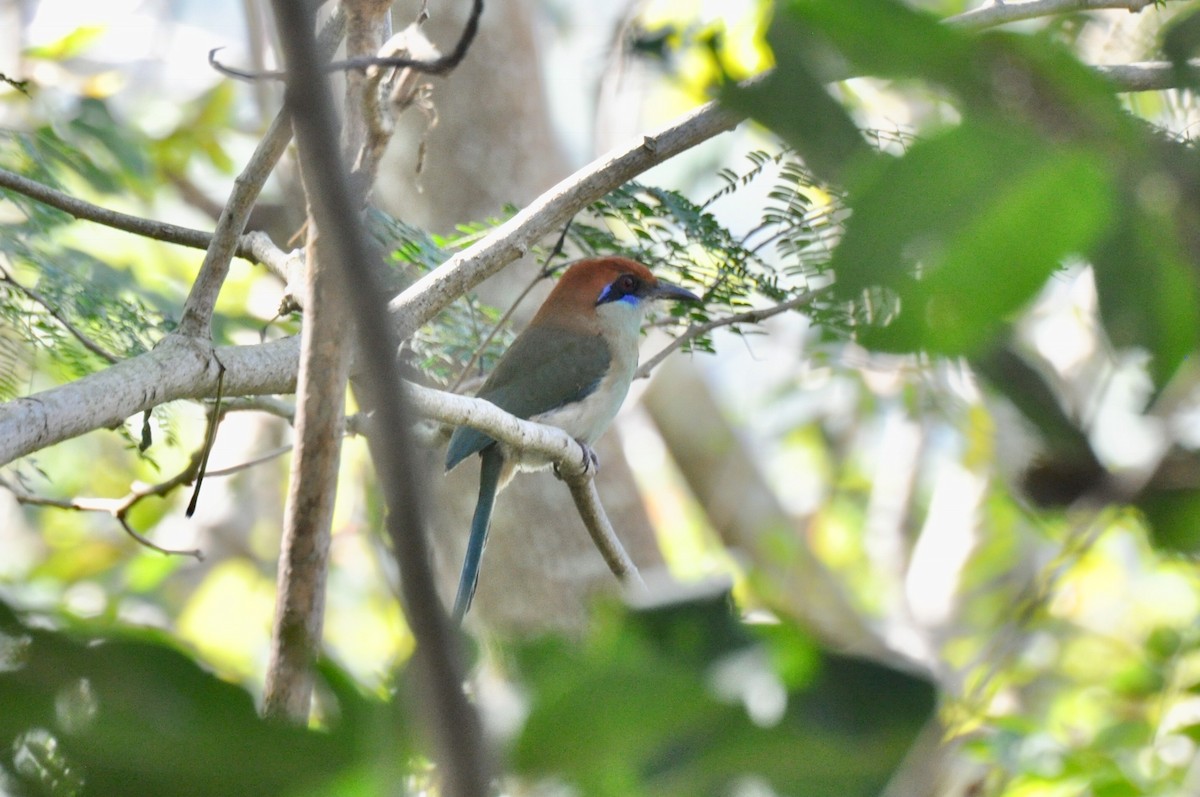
[{"x": 312, "y": 490}]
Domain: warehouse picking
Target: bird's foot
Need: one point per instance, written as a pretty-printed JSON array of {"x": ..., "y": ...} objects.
[{"x": 590, "y": 462}]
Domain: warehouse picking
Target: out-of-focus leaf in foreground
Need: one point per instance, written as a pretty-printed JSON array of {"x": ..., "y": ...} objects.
[{"x": 686, "y": 700}]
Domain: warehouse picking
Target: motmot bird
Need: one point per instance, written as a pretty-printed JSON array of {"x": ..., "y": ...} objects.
[{"x": 570, "y": 368}]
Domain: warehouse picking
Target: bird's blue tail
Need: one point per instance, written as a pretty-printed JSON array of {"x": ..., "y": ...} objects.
[{"x": 489, "y": 480}]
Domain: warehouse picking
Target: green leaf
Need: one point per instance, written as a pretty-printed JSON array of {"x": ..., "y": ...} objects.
[
  {"x": 1163, "y": 644},
  {"x": 69, "y": 46},
  {"x": 1190, "y": 731},
  {"x": 1147, "y": 285},
  {"x": 1137, "y": 680},
  {"x": 127, "y": 157},
  {"x": 1174, "y": 519},
  {"x": 965, "y": 228},
  {"x": 915, "y": 44},
  {"x": 1116, "y": 784}
]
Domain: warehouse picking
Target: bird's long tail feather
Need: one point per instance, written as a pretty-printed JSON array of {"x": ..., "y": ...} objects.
[{"x": 489, "y": 481}]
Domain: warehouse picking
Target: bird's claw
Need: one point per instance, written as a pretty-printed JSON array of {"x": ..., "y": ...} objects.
[{"x": 590, "y": 462}]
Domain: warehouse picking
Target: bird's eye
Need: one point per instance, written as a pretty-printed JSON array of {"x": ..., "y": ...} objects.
[{"x": 623, "y": 288}]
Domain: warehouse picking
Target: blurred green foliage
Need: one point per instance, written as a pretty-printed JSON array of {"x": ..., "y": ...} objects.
[
  {"x": 950, "y": 239},
  {"x": 681, "y": 699},
  {"x": 95, "y": 710},
  {"x": 684, "y": 700},
  {"x": 1031, "y": 164},
  {"x": 968, "y": 224}
]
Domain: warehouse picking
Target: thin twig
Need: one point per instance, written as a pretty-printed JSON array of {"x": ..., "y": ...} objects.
[
  {"x": 254, "y": 247},
  {"x": 587, "y": 501},
  {"x": 749, "y": 317},
  {"x": 355, "y": 424},
  {"x": 215, "y": 414},
  {"x": 268, "y": 404},
  {"x": 119, "y": 508},
  {"x": 20, "y": 85},
  {"x": 438, "y": 66},
  {"x": 495, "y": 330},
  {"x": 196, "y": 318},
  {"x": 1001, "y": 13},
  {"x": 57, "y": 315},
  {"x": 266, "y": 456},
  {"x": 79, "y": 209}
]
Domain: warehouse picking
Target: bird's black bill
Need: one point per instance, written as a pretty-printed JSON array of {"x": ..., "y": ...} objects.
[{"x": 667, "y": 290}]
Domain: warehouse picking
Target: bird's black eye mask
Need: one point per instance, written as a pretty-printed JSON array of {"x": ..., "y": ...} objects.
[{"x": 625, "y": 288}]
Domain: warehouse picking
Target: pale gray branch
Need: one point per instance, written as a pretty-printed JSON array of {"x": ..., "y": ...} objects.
[
  {"x": 549, "y": 442},
  {"x": 449, "y": 720},
  {"x": 1000, "y": 13},
  {"x": 254, "y": 250},
  {"x": 513, "y": 239},
  {"x": 177, "y": 368},
  {"x": 748, "y": 317},
  {"x": 1151, "y": 75},
  {"x": 312, "y": 489},
  {"x": 587, "y": 502},
  {"x": 198, "y": 307},
  {"x": 320, "y": 418}
]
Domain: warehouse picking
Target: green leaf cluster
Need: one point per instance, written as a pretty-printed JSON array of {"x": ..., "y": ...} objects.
[
  {"x": 72, "y": 286},
  {"x": 963, "y": 228}
]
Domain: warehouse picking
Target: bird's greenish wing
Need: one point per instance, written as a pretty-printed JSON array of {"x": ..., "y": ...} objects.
[{"x": 544, "y": 368}]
